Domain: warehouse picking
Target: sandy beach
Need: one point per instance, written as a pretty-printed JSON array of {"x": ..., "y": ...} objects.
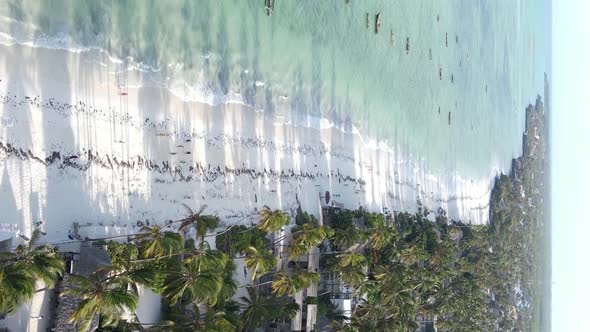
[{"x": 83, "y": 141}]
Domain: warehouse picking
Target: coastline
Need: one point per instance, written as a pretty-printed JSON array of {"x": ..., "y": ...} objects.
[
  {"x": 521, "y": 226},
  {"x": 78, "y": 147}
]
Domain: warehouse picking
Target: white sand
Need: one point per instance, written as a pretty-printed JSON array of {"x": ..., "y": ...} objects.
[{"x": 151, "y": 124}]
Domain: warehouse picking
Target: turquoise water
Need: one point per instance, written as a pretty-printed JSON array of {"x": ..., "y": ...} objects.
[{"x": 319, "y": 59}]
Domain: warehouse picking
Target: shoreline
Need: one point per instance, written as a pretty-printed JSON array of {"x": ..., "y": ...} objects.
[{"x": 103, "y": 149}]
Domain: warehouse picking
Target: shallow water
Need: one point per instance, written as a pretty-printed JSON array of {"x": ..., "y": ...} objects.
[{"x": 315, "y": 59}]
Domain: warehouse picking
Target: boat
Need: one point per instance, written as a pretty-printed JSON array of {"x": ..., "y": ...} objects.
[
  {"x": 377, "y": 22},
  {"x": 269, "y": 6}
]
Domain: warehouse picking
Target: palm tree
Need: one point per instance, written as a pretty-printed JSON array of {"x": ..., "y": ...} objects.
[
  {"x": 16, "y": 287},
  {"x": 296, "y": 250},
  {"x": 374, "y": 316},
  {"x": 396, "y": 289},
  {"x": 284, "y": 283},
  {"x": 291, "y": 284},
  {"x": 413, "y": 254},
  {"x": 368, "y": 314},
  {"x": 444, "y": 256},
  {"x": 199, "y": 279},
  {"x": 257, "y": 309},
  {"x": 305, "y": 237},
  {"x": 285, "y": 309},
  {"x": 259, "y": 262},
  {"x": 334, "y": 315},
  {"x": 351, "y": 258},
  {"x": 229, "y": 285},
  {"x": 272, "y": 221},
  {"x": 231, "y": 310},
  {"x": 346, "y": 237},
  {"x": 42, "y": 262},
  {"x": 201, "y": 223},
  {"x": 342, "y": 325},
  {"x": 157, "y": 243},
  {"x": 383, "y": 236},
  {"x": 309, "y": 235},
  {"x": 149, "y": 272},
  {"x": 214, "y": 320},
  {"x": 22, "y": 269},
  {"x": 352, "y": 268},
  {"x": 105, "y": 297}
]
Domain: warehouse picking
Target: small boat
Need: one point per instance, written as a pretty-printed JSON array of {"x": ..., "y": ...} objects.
[
  {"x": 392, "y": 39},
  {"x": 449, "y": 118},
  {"x": 407, "y": 45},
  {"x": 367, "y": 20},
  {"x": 377, "y": 22},
  {"x": 446, "y": 39},
  {"x": 269, "y": 6}
]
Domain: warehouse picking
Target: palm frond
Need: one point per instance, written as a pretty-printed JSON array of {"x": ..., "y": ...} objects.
[{"x": 188, "y": 210}]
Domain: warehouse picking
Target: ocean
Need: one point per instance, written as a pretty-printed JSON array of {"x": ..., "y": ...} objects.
[{"x": 443, "y": 84}]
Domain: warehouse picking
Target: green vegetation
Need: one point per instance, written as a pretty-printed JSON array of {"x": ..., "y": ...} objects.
[
  {"x": 21, "y": 272},
  {"x": 519, "y": 231}
]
